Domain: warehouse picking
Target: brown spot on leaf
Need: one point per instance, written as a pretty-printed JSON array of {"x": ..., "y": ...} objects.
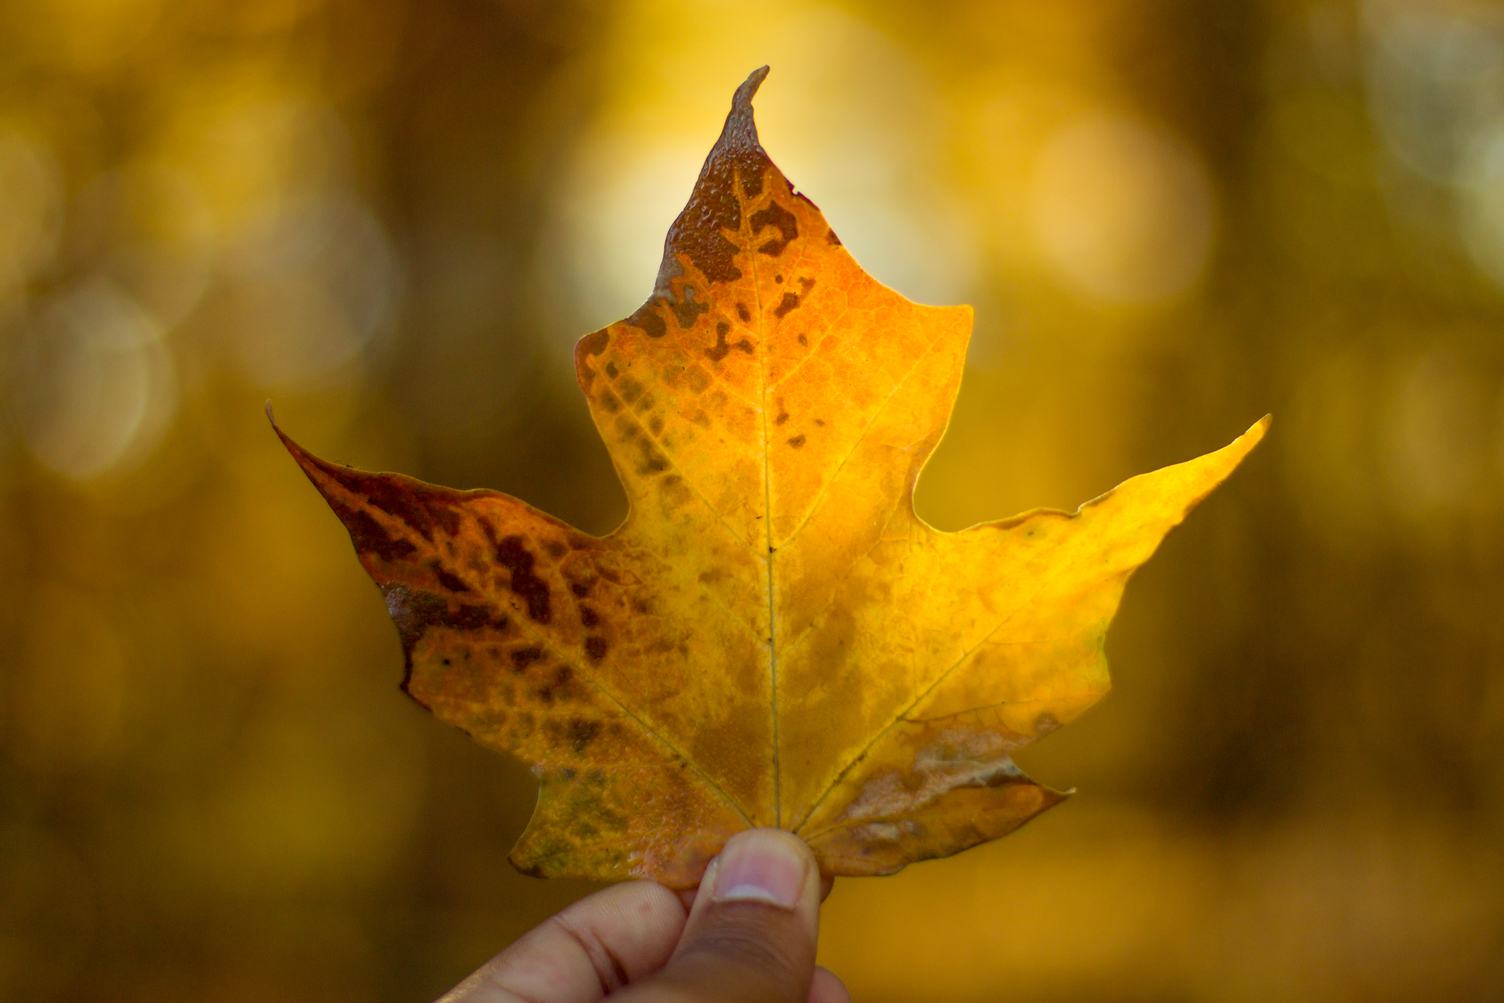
[
  {"x": 526, "y": 584},
  {"x": 797, "y": 441},
  {"x": 591, "y": 345},
  {"x": 469, "y": 617},
  {"x": 652, "y": 460},
  {"x": 580, "y": 589},
  {"x": 390, "y": 496},
  {"x": 413, "y": 612},
  {"x": 581, "y": 734},
  {"x": 368, "y": 535},
  {"x": 775, "y": 215},
  {"x": 523, "y": 657},
  {"x": 416, "y": 611},
  {"x": 830, "y": 237},
  {"x": 714, "y": 209},
  {"x": 588, "y": 616},
  {"x": 595, "y": 647},
  {"x": 551, "y": 690},
  {"x": 595, "y": 342},
  {"x": 686, "y": 309},
  {"x": 648, "y": 320},
  {"x": 630, "y": 389},
  {"x": 789, "y": 302},
  {"x": 721, "y": 349},
  {"x": 448, "y": 579},
  {"x": 744, "y": 313}
]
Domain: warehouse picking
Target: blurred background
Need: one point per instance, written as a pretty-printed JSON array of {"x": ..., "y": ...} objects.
[{"x": 394, "y": 219}]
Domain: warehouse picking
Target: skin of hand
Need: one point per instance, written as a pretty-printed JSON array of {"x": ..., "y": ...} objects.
[{"x": 746, "y": 936}]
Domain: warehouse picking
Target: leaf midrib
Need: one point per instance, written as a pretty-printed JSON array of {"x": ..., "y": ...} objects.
[{"x": 767, "y": 511}]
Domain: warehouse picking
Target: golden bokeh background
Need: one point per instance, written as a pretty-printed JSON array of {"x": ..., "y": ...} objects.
[{"x": 394, "y": 218}]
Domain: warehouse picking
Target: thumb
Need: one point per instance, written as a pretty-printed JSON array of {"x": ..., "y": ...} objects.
[{"x": 750, "y": 937}]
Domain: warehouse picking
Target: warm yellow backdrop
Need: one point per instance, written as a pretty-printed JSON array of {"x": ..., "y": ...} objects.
[{"x": 394, "y": 219}]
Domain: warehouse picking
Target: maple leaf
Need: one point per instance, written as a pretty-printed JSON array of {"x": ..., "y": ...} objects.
[{"x": 772, "y": 637}]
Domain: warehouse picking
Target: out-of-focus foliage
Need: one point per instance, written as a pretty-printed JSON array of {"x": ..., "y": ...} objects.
[{"x": 1171, "y": 215}]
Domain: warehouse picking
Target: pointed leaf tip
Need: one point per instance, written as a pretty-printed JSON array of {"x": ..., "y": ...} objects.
[
  {"x": 740, "y": 127},
  {"x": 744, "y": 94},
  {"x": 1255, "y": 433}
]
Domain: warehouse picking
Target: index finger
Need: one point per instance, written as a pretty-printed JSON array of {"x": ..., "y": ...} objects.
[{"x": 584, "y": 953}]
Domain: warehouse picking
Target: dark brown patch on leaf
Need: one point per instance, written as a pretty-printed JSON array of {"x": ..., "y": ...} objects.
[
  {"x": 721, "y": 349},
  {"x": 595, "y": 342},
  {"x": 523, "y": 657},
  {"x": 652, "y": 461},
  {"x": 686, "y": 309},
  {"x": 588, "y": 616},
  {"x": 368, "y": 535},
  {"x": 648, "y": 320},
  {"x": 699, "y": 234},
  {"x": 797, "y": 441},
  {"x": 447, "y": 578},
  {"x": 630, "y": 389},
  {"x": 744, "y": 313},
  {"x": 789, "y": 302},
  {"x": 580, "y": 589},
  {"x": 531, "y": 589},
  {"x": 581, "y": 734},
  {"x": 806, "y": 283},
  {"x": 595, "y": 647},
  {"x": 591, "y": 345},
  {"x": 550, "y": 690},
  {"x": 830, "y": 236},
  {"x": 469, "y": 618},
  {"x": 390, "y": 496},
  {"x": 415, "y": 611}
]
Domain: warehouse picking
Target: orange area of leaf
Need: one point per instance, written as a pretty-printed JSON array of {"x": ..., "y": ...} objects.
[{"x": 772, "y": 637}]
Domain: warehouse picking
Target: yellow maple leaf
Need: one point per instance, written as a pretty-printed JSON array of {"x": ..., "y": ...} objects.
[{"x": 772, "y": 637}]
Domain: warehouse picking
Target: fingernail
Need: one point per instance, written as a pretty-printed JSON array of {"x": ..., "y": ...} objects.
[{"x": 760, "y": 866}]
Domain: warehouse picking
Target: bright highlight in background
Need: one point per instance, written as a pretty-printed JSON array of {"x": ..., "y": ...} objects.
[{"x": 1122, "y": 210}]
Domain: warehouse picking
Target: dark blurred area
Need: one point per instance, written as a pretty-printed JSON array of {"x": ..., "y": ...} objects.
[{"x": 393, "y": 219}]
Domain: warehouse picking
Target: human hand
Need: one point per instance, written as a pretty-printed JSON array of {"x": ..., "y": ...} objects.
[{"x": 746, "y": 936}]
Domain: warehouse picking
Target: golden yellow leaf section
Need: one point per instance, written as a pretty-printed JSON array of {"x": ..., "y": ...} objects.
[{"x": 773, "y": 636}]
